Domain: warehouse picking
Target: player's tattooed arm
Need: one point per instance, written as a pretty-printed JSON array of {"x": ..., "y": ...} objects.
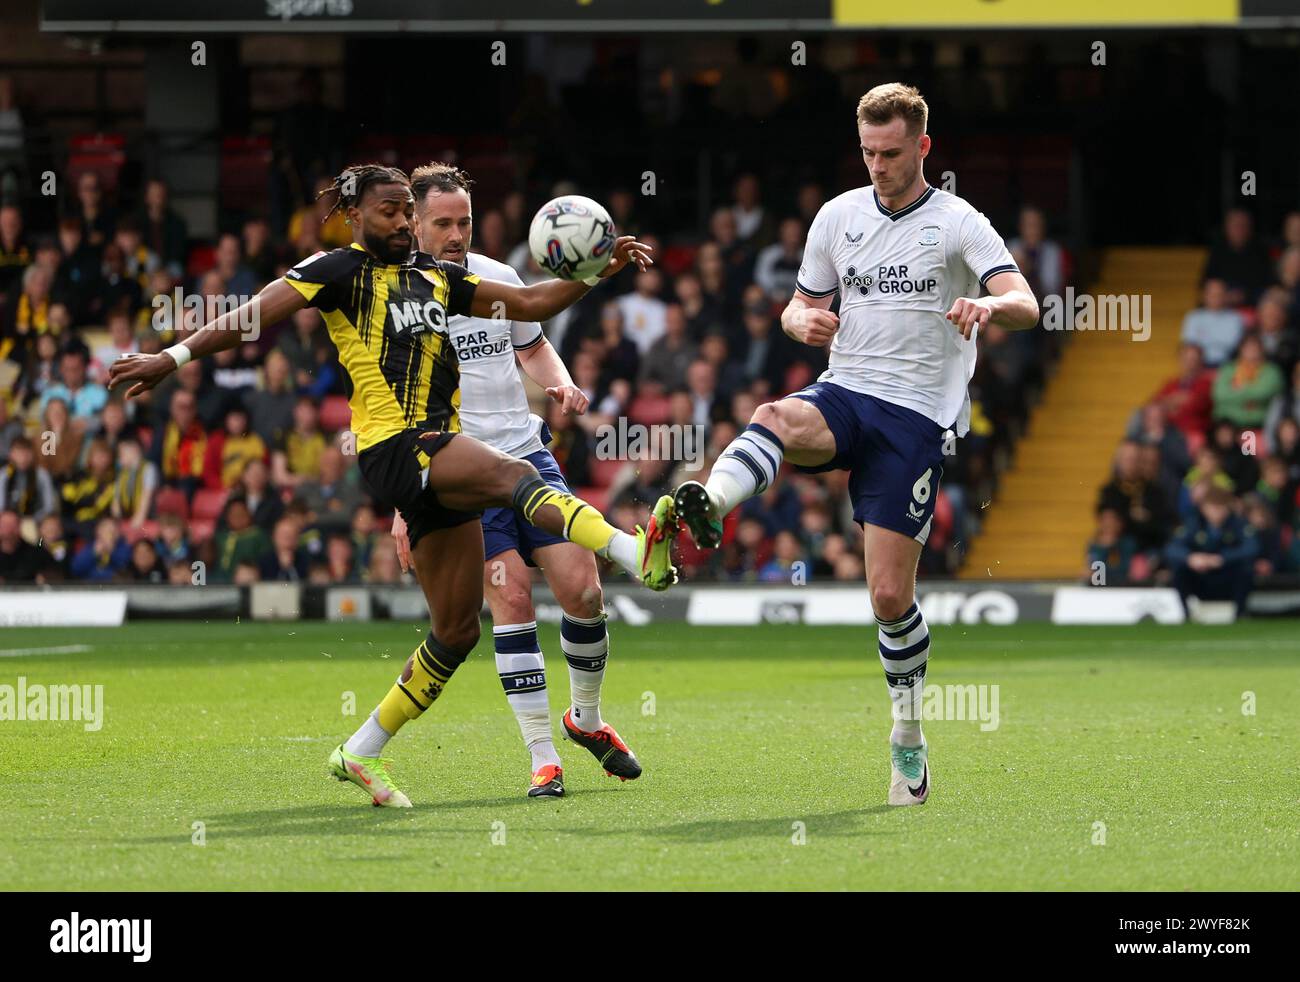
[
  {"x": 1010, "y": 305},
  {"x": 142, "y": 372},
  {"x": 542, "y": 301},
  {"x": 809, "y": 320}
]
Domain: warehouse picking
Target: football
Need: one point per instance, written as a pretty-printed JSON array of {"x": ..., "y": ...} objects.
[{"x": 572, "y": 237}]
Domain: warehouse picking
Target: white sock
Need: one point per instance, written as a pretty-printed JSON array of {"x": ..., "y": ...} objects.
[
  {"x": 621, "y": 549},
  {"x": 586, "y": 647},
  {"x": 748, "y": 467},
  {"x": 904, "y": 653},
  {"x": 522, "y": 671},
  {"x": 370, "y": 739}
]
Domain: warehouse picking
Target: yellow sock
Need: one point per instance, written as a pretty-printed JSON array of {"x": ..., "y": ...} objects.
[
  {"x": 430, "y": 668},
  {"x": 583, "y": 524}
]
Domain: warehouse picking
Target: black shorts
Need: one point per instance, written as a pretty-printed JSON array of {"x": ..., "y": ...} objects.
[{"x": 396, "y": 471}]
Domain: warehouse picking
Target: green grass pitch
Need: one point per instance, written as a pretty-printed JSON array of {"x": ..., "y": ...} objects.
[{"x": 752, "y": 731}]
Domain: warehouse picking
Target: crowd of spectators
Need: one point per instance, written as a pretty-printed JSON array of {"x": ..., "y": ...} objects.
[
  {"x": 238, "y": 461},
  {"x": 1205, "y": 492}
]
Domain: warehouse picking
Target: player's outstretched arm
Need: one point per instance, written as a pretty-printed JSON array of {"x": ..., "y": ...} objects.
[
  {"x": 142, "y": 372},
  {"x": 542, "y": 364},
  {"x": 542, "y": 301},
  {"x": 1010, "y": 305},
  {"x": 809, "y": 320}
]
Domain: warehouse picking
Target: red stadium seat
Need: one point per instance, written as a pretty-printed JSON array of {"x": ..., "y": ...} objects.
[
  {"x": 207, "y": 504},
  {"x": 201, "y": 530},
  {"x": 147, "y": 530},
  {"x": 649, "y": 410},
  {"x": 678, "y": 259},
  {"x": 172, "y": 501},
  {"x": 598, "y": 498},
  {"x": 200, "y": 259},
  {"x": 604, "y": 471},
  {"x": 102, "y": 153},
  {"x": 335, "y": 414}
]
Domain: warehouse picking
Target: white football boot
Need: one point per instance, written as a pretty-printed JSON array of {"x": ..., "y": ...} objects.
[{"x": 909, "y": 779}]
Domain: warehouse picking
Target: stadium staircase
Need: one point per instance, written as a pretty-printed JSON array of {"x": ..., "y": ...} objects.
[{"x": 1041, "y": 519}]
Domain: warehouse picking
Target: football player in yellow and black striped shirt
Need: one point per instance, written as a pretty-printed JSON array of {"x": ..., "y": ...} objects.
[{"x": 386, "y": 311}]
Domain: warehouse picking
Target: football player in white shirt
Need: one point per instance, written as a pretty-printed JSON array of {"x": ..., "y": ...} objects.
[
  {"x": 907, "y": 261},
  {"x": 494, "y": 409}
]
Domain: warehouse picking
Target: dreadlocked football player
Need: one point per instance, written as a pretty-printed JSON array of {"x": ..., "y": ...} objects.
[{"x": 386, "y": 311}]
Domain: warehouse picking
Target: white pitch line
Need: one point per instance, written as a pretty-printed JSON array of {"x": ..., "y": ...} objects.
[{"x": 67, "y": 649}]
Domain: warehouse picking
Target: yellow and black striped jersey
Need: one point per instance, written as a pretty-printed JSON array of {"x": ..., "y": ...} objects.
[{"x": 389, "y": 323}]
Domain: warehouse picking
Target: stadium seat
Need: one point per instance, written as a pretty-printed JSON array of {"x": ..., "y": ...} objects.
[
  {"x": 245, "y": 172},
  {"x": 649, "y": 410},
  {"x": 208, "y": 504},
  {"x": 147, "y": 530},
  {"x": 172, "y": 501},
  {"x": 604, "y": 471},
  {"x": 201, "y": 258},
  {"x": 201, "y": 530},
  {"x": 102, "y": 153},
  {"x": 598, "y": 498},
  {"x": 335, "y": 414}
]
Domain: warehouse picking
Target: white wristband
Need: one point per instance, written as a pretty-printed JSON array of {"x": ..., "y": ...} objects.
[
  {"x": 180, "y": 353},
  {"x": 592, "y": 280}
]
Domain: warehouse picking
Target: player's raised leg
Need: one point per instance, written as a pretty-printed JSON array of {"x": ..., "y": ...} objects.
[
  {"x": 573, "y": 579},
  {"x": 904, "y": 643},
  {"x": 521, "y": 665},
  {"x": 469, "y": 475},
  {"x": 790, "y": 429},
  {"x": 449, "y": 567}
]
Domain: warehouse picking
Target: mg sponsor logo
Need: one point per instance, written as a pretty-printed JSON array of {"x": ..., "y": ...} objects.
[{"x": 429, "y": 315}]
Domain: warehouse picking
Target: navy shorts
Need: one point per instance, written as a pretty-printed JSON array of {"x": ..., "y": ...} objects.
[
  {"x": 505, "y": 529},
  {"x": 894, "y": 457}
]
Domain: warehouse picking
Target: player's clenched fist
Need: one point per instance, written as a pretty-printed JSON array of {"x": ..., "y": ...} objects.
[
  {"x": 966, "y": 314},
  {"x": 812, "y": 326}
]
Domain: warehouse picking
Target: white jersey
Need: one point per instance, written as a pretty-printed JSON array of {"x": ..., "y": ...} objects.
[
  {"x": 493, "y": 403},
  {"x": 898, "y": 273}
]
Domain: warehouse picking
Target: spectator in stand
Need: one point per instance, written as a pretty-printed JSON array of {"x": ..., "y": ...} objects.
[
  {"x": 1044, "y": 256},
  {"x": 318, "y": 221},
  {"x": 777, "y": 266},
  {"x": 1111, "y": 551},
  {"x": 121, "y": 341},
  {"x": 15, "y": 252},
  {"x": 119, "y": 290},
  {"x": 10, "y": 428},
  {"x": 20, "y": 561},
  {"x": 40, "y": 370},
  {"x": 1214, "y": 326},
  {"x": 570, "y": 445},
  {"x": 145, "y": 566},
  {"x": 259, "y": 251},
  {"x": 97, "y": 221},
  {"x": 384, "y": 567},
  {"x": 61, "y": 441},
  {"x": 702, "y": 384},
  {"x": 1288, "y": 278},
  {"x": 299, "y": 458},
  {"x": 1139, "y": 500},
  {"x": 1207, "y": 471},
  {"x": 162, "y": 230},
  {"x": 26, "y": 314},
  {"x": 285, "y": 562},
  {"x": 171, "y": 544},
  {"x": 78, "y": 281},
  {"x": 104, "y": 557},
  {"x": 88, "y": 497},
  {"x": 1150, "y": 426},
  {"x": 134, "y": 484},
  {"x": 1237, "y": 454},
  {"x": 1282, "y": 427},
  {"x": 645, "y": 316},
  {"x": 1272, "y": 556},
  {"x": 239, "y": 540},
  {"x": 332, "y": 498},
  {"x": 768, "y": 352},
  {"x": 179, "y": 450},
  {"x": 751, "y": 220},
  {"x": 270, "y": 405},
  {"x": 1187, "y": 397},
  {"x": 25, "y": 489},
  {"x": 54, "y": 540},
  {"x": 180, "y": 573},
  {"x": 84, "y": 398},
  {"x": 1281, "y": 344},
  {"x": 236, "y": 277},
  {"x": 363, "y": 535},
  {"x": 702, "y": 314},
  {"x": 341, "y": 559},
  {"x": 1239, "y": 259},
  {"x": 1212, "y": 555},
  {"x": 264, "y": 504},
  {"x": 735, "y": 255},
  {"x": 230, "y": 451},
  {"x": 1244, "y": 388},
  {"x": 622, "y": 358},
  {"x": 664, "y": 366},
  {"x": 730, "y": 372},
  {"x": 788, "y": 563},
  {"x": 138, "y": 260},
  {"x": 306, "y": 347}
]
